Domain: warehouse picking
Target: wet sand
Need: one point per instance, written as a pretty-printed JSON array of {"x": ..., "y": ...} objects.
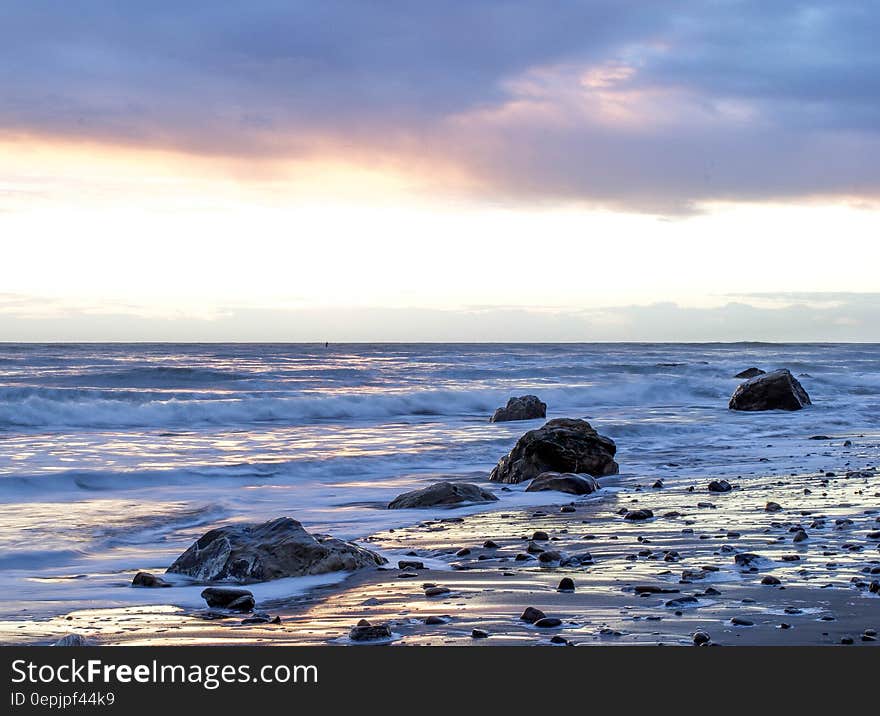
[{"x": 688, "y": 549}]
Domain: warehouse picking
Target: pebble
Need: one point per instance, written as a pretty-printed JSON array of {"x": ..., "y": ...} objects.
[
  {"x": 700, "y": 638},
  {"x": 531, "y": 615},
  {"x": 364, "y": 631},
  {"x": 410, "y": 564},
  {"x": 637, "y": 515},
  {"x": 548, "y": 623},
  {"x": 436, "y": 591},
  {"x": 566, "y": 584}
]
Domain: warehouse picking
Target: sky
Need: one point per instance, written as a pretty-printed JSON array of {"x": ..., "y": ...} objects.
[{"x": 476, "y": 170}]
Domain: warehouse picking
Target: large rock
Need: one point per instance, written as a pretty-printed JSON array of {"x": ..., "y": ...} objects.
[
  {"x": 442, "y": 493},
  {"x": 778, "y": 390},
  {"x": 561, "y": 445},
  {"x": 564, "y": 482},
  {"x": 525, "y": 407},
  {"x": 271, "y": 550}
]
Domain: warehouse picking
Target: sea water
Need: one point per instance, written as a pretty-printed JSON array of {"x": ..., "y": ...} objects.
[{"x": 114, "y": 458}]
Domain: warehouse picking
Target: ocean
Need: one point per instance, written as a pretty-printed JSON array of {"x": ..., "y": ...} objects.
[{"x": 114, "y": 458}]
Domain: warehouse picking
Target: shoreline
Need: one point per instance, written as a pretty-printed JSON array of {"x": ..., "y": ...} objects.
[{"x": 692, "y": 529}]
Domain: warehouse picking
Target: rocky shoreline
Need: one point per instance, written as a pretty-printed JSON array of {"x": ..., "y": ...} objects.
[
  {"x": 708, "y": 567},
  {"x": 765, "y": 560}
]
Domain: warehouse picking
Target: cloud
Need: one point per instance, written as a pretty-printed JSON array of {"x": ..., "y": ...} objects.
[
  {"x": 657, "y": 106},
  {"x": 795, "y": 318}
]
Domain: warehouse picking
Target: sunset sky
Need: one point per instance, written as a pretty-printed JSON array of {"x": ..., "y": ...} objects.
[{"x": 477, "y": 170}]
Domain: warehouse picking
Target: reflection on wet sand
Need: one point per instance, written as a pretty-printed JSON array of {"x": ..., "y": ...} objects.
[{"x": 688, "y": 550}]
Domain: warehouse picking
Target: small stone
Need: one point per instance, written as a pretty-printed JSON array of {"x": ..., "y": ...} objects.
[
  {"x": 410, "y": 564},
  {"x": 566, "y": 584},
  {"x": 638, "y": 515},
  {"x": 700, "y": 638},
  {"x": 145, "y": 579},
  {"x": 549, "y": 556},
  {"x": 800, "y": 536},
  {"x": 740, "y": 621},
  {"x": 770, "y": 580},
  {"x": 479, "y": 634},
  {"x": 681, "y": 602},
  {"x": 540, "y": 536},
  {"x": 772, "y": 507},
  {"x": 239, "y": 600},
  {"x": 436, "y": 591},
  {"x": 719, "y": 486},
  {"x": 364, "y": 631},
  {"x": 72, "y": 640},
  {"x": 548, "y": 623},
  {"x": 531, "y": 615}
]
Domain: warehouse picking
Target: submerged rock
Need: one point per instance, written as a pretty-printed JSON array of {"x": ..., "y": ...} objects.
[
  {"x": 564, "y": 482},
  {"x": 563, "y": 445},
  {"x": 272, "y": 550},
  {"x": 525, "y": 407},
  {"x": 778, "y": 390},
  {"x": 442, "y": 493},
  {"x": 637, "y": 515},
  {"x": 72, "y": 640},
  {"x": 750, "y": 373},
  {"x": 145, "y": 579},
  {"x": 364, "y": 631},
  {"x": 238, "y": 600},
  {"x": 548, "y": 623}
]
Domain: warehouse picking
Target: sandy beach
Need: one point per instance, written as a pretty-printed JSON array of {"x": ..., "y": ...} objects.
[{"x": 657, "y": 581}]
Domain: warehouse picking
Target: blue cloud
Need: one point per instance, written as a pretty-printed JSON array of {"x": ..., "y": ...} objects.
[{"x": 386, "y": 77}]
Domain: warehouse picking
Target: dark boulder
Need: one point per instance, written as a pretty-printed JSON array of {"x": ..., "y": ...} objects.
[
  {"x": 145, "y": 579},
  {"x": 271, "y": 550},
  {"x": 563, "y": 445},
  {"x": 778, "y": 390},
  {"x": 700, "y": 638},
  {"x": 238, "y": 600},
  {"x": 548, "y": 623},
  {"x": 564, "y": 482},
  {"x": 531, "y": 615},
  {"x": 719, "y": 486},
  {"x": 750, "y": 373},
  {"x": 526, "y": 407},
  {"x": 638, "y": 515},
  {"x": 442, "y": 493},
  {"x": 364, "y": 631}
]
